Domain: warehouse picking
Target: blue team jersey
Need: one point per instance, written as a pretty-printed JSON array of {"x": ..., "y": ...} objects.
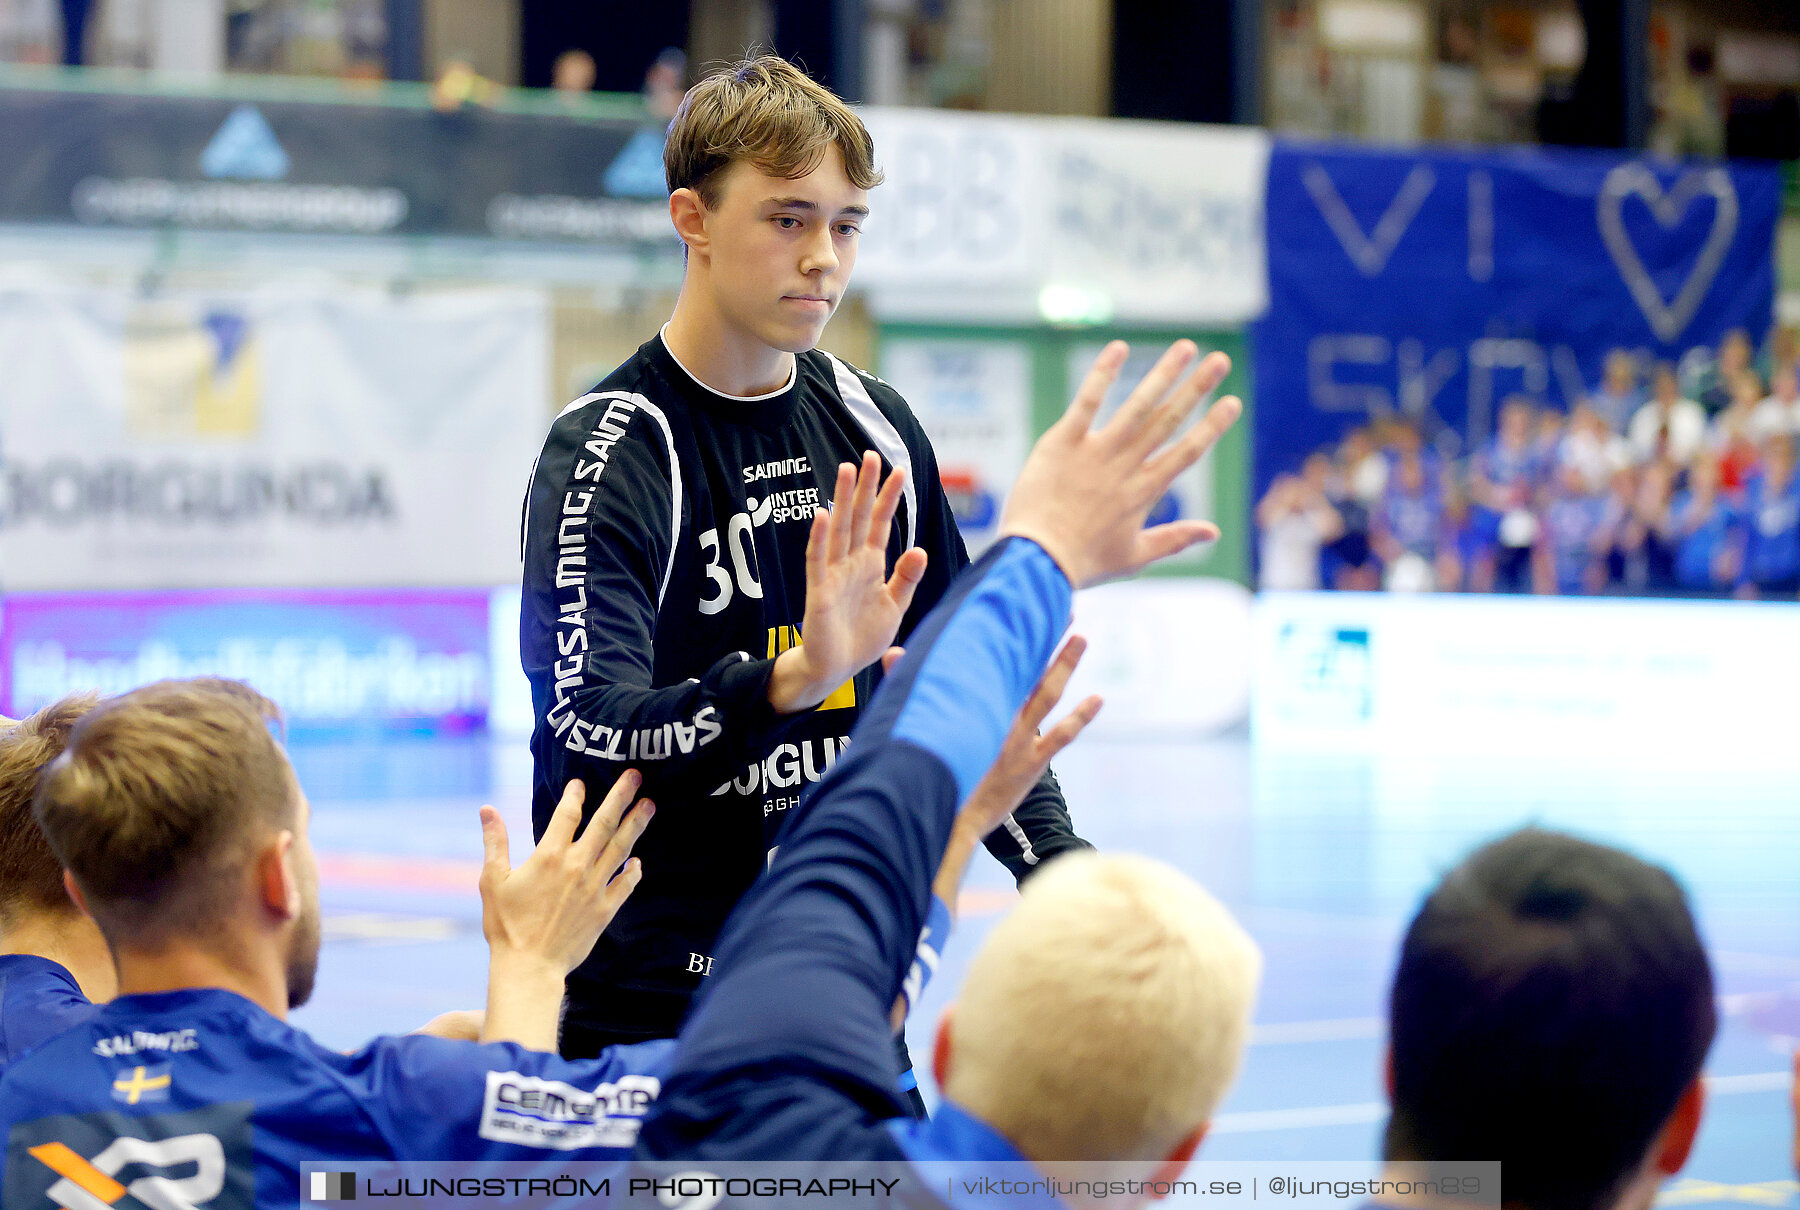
[
  {"x": 1572, "y": 524},
  {"x": 1773, "y": 520},
  {"x": 1523, "y": 468},
  {"x": 38, "y": 1000},
  {"x": 1701, "y": 539},
  {"x": 206, "y": 1091},
  {"x": 1411, "y": 520}
]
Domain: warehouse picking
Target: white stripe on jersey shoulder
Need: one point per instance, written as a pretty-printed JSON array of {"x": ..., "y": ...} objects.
[
  {"x": 1018, "y": 834},
  {"x": 525, "y": 513},
  {"x": 882, "y": 433},
  {"x": 662, "y": 422}
]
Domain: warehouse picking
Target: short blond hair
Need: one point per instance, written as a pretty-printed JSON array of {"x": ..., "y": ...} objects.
[
  {"x": 769, "y": 113},
  {"x": 1105, "y": 1018},
  {"x": 158, "y": 800}
]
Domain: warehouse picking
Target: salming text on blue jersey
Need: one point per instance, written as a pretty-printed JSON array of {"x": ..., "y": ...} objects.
[
  {"x": 204, "y": 1088},
  {"x": 664, "y": 571},
  {"x": 787, "y": 1056},
  {"x": 38, "y": 1000}
]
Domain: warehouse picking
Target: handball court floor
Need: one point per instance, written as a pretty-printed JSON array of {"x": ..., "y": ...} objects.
[{"x": 1323, "y": 857}]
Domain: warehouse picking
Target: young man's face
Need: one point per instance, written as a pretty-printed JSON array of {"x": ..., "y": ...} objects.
[{"x": 782, "y": 250}]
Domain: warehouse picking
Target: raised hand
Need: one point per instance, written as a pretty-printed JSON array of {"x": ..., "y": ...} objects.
[
  {"x": 1022, "y": 761},
  {"x": 1084, "y": 493},
  {"x": 544, "y": 917},
  {"x": 1028, "y": 753},
  {"x": 853, "y": 609}
]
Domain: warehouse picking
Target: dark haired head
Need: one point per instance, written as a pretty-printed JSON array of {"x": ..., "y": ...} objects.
[{"x": 1552, "y": 1003}]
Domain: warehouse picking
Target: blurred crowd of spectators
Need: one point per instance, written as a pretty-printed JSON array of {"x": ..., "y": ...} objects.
[{"x": 1658, "y": 482}]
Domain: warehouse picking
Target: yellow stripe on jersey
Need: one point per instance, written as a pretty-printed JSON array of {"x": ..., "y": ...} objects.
[{"x": 785, "y": 638}]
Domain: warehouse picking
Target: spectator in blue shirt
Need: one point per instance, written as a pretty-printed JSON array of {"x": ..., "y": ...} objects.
[
  {"x": 1465, "y": 546},
  {"x": 1705, "y": 527},
  {"x": 1619, "y": 396},
  {"x": 1406, "y": 525},
  {"x": 1574, "y": 538},
  {"x": 1504, "y": 481},
  {"x": 1772, "y": 525},
  {"x": 1113, "y": 1043}
]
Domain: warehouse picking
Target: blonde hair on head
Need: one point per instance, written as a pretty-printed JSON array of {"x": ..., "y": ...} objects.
[
  {"x": 770, "y": 114},
  {"x": 1106, "y": 1016}
]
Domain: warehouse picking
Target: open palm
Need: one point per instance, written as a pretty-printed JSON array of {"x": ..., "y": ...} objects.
[{"x": 853, "y": 607}]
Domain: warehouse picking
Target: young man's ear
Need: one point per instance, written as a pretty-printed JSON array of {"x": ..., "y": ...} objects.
[
  {"x": 1677, "y": 1138},
  {"x": 688, "y": 213},
  {"x": 277, "y": 886},
  {"x": 940, "y": 1050},
  {"x": 1179, "y": 1158},
  {"x": 75, "y": 896}
]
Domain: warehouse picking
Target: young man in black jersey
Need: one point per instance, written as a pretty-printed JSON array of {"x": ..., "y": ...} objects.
[{"x": 675, "y": 617}]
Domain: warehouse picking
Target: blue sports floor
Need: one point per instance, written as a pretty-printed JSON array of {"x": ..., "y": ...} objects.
[{"x": 1323, "y": 857}]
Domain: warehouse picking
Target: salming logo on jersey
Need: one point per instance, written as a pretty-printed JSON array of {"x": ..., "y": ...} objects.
[
  {"x": 778, "y": 469},
  {"x": 578, "y": 734},
  {"x": 173, "y": 1041}
]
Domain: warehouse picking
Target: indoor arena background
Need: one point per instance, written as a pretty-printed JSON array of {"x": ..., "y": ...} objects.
[{"x": 290, "y": 291}]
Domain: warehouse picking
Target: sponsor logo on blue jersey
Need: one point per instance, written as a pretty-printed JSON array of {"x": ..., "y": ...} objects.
[
  {"x": 534, "y": 1112},
  {"x": 117, "y": 1161}
]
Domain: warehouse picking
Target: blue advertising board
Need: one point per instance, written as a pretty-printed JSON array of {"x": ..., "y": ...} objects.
[{"x": 333, "y": 659}]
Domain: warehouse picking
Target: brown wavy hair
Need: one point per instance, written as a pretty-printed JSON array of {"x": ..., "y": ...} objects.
[
  {"x": 161, "y": 798},
  {"x": 769, "y": 113},
  {"x": 30, "y": 875}
]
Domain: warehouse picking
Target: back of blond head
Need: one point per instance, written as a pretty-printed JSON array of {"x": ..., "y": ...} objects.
[{"x": 1105, "y": 1018}]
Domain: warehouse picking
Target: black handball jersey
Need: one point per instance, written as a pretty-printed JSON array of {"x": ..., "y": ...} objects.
[{"x": 664, "y": 542}]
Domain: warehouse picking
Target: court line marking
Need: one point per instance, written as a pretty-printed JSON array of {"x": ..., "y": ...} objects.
[
  {"x": 1368, "y": 1112},
  {"x": 1739, "y": 962},
  {"x": 372, "y": 928},
  {"x": 1356, "y": 1029},
  {"x": 1690, "y": 1190}
]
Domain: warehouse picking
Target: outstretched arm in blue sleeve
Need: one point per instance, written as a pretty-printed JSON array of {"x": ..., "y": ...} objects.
[{"x": 788, "y": 1054}]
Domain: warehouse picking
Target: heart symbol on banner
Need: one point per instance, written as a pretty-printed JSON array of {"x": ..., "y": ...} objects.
[{"x": 1667, "y": 319}]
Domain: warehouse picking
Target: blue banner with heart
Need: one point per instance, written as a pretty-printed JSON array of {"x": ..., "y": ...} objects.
[{"x": 1434, "y": 284}]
